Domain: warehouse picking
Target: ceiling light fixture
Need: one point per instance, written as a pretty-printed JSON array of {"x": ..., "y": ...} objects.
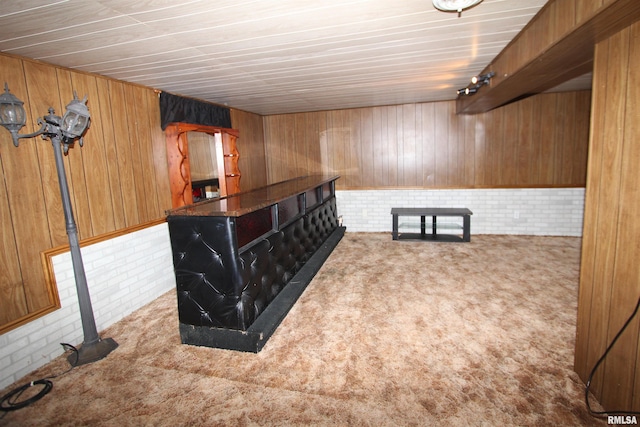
[
  {"x": 454, "y": 5},
  {"x": 483, "y": 79},
  {"x": 476, "y": 83}
]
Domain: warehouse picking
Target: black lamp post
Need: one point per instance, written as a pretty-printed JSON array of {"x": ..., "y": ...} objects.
[{"x": 62, "y": 131}]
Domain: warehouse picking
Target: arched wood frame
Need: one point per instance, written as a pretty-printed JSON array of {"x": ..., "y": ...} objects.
[{"x": 178, "y": 158}]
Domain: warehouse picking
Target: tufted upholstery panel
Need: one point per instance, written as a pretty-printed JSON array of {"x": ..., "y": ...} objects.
[{"x": 219, "y": 287}]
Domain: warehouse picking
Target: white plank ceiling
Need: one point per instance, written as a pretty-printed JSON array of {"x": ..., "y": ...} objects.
[{"x": 271, "y": 56}]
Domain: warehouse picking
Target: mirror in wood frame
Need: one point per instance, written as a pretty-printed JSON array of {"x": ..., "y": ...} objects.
[{"x": 182, "y": 157}]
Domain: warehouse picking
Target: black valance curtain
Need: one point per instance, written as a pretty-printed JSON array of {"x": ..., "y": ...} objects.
[{"x": 176, "y": 109}]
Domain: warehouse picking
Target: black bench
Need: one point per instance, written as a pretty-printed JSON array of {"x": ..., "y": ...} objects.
[{"x": 433, "y": 213}]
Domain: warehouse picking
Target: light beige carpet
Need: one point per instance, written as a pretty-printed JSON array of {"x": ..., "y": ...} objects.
[{"x": 387, "y": 334}]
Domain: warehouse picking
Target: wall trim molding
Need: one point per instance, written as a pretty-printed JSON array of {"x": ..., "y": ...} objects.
[
  {"x": 50, "y": 278},
  {"x": 124, "y": 273}
]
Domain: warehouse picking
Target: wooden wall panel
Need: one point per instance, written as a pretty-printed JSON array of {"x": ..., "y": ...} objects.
[
  {"x": 531, "y": 143},
  {"x": 355, "y": 150},
  {"x": 25, "y": 192},
  {"x": 114, "y": 201},
  {"x": 94, "y": 159},
  {"x": 610, "y": 273},
  {"x": 12, "y": 292},
  {"x": 123, "y": 141},
  {"x": 117, "y": 179},
  {"x": 139, "y": 151},
  {"x": 158, "y": 152},
  {"x": 43, "y": 93},
  {"x": 13, "y": 300}
]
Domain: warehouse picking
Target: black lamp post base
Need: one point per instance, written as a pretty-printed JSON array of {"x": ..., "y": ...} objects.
[{"x": 89, "y": 353}]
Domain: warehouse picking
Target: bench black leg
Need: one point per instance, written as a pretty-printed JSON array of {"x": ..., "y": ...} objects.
[
  {"x": 394, "y": 230},
  {"x": 423, "y": 227},
  {"x": 434, "y": 228},
  {"x": 466, "y": 228}
]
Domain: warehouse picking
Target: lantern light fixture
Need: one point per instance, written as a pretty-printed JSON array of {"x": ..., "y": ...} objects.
[
  {"x": 63, "y": 131},
  {"x": 12, "y": 115}
]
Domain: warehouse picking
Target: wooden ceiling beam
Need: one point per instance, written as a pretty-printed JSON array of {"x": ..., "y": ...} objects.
[{"x": 557, "y": 45}]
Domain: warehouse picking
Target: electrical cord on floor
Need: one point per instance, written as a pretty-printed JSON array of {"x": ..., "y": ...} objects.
[
  {"x": 593, "y": 371},
  {"x": 11, "y": 401}
]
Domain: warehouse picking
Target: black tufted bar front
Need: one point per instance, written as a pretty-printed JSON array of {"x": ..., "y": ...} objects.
[{"x": 239, "y": 271}]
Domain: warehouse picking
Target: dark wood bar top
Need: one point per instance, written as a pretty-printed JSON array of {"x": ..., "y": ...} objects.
[{"x": 250, "y": 201}]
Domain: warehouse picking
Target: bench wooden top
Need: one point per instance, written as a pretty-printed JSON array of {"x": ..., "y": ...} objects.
[{"x": 431, "y": 211}]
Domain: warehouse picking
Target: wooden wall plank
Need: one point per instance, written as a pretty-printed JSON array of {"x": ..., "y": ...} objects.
[
  {"x": 269, "y": 140},
  {"x": 123, "y": 142},
  {"x": 111, "y": 155},
  {"x": 428, "y": 142},
  {"x": 158, "y": 152},
  {"x": 537, "y": 142},
  {"x": 299, "y": 151},
  {"x": 609, "y": 185},
  {"x": 24, "y": 190},
  {"x": 586, "y": 9},
  {"x": 468, "y": 146},
  {"x": 610, "y": 275},
  {"x": 399, "y": 138},
  {"x": 618, "y": 387},
  {"x": 584, "y": 359},
  {"x": 511, "y": 146},
  {"x": 453, "y": 145},
  {"x": 441, "y": 120},
  {"x": 313, "y": 150},
  {"x": 378, "y": 143},
  {"x": 42, "y": 82},
  {"x": 142, "y": 150},
  {"x": 481, "y": 162},
  {"x": 13, "y": 300},
  {"x": 96, "y": 173},
  {"x": 524, "y": 155},
  {"x": 353, "y": 175},
  {"x": 581, "y": 151},
  {"x": 547, "y": 142},
  {"x": 150, "y": 140},
  {"x": 492, "y": 146},
  {"x": 366, "y": 136}
]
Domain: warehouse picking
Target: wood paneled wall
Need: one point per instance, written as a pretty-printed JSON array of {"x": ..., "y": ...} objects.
[
  {"x": 250, "y": 145},
  {"x": 540, "y": 141},
  {"x": 116, "y": 180},
  {"x": 610, "y": 272},
  {"x": 119, "y": 179}
]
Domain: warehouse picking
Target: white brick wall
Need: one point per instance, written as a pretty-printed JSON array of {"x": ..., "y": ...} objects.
[
  {"x": 532, "y": 211},
  {"x": 123, "y": 274}
]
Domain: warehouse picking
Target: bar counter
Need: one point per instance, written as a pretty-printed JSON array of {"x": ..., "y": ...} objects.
[
  {"x": 250, "y": 201},
  {"x": 242, "y": 261}
]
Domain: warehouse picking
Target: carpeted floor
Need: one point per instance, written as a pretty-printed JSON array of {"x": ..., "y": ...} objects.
[{"x": 387, "y": 334}]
